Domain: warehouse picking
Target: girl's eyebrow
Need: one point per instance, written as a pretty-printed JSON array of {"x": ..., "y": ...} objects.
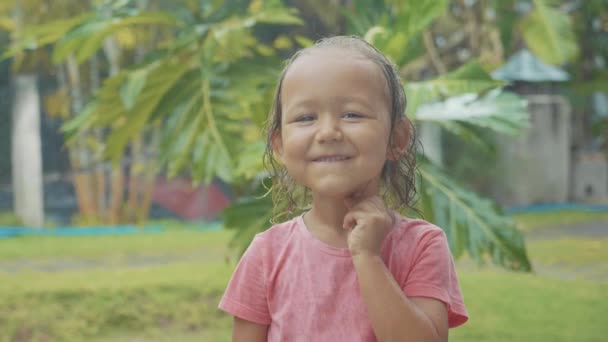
[
  {"x": 298, "y": 104},
  {"x": 357, "y": 99},
  {"x": 338, "y": 100}
]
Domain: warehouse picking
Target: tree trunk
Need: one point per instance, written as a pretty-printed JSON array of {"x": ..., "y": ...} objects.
[
  {"x": 79, "y": 154},
  {"x": 100, "y": 171},
  {"x": 26, "y": 152},
  {"x": 150, "y": 174},
  {"x": 117, "y": 181},
  {"x": 144, "y": 169},
  {"x": 135, "y": 178}
]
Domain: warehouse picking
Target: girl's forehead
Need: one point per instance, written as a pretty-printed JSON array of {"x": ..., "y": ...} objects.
[
  {"x": 329, "y": 64},
  {"x": 328, "y": 55}
]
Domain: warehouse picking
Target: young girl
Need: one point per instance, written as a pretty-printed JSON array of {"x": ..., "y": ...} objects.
[{"x": 350, "y": 268}]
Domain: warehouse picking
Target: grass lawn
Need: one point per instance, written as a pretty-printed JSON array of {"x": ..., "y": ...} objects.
[
  {"x": 165, "y": 287},
  {"x": 176, "y": 241},
  {"x": 156, "y": 286},
  {"x": 527, "y": 222},
  {"x": 523, "y": 307},
  {"x": 574, "y": 252}
]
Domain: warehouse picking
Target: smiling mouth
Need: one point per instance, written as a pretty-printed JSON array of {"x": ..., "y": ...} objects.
[{"x": 330, "y": 159}]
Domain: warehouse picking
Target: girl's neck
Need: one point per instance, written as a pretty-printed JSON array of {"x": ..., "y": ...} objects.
[
  {"x": 328, "y": 212},
  {"x": 324, "y": 221},
  {"x": 326, "y": 218}
]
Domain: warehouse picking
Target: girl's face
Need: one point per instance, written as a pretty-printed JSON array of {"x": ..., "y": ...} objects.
[{"x": 336, "y": 123}]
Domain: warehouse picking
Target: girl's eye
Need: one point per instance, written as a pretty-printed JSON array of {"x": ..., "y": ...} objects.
[
  {"x": 305, "y": 118},
  {"x": 352, "y": 115}
]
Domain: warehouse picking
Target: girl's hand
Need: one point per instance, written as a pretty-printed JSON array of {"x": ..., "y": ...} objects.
[{"x": 369, "y": 221}]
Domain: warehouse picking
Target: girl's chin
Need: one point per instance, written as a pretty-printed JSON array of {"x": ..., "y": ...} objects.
[
  {"x": 339, "y": 187},
  {"x": 334, "y": 192}
]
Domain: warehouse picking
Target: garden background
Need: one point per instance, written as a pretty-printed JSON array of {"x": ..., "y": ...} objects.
[{"x": 131, "y": 177}]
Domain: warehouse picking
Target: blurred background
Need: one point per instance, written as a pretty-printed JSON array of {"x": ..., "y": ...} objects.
[{"x": 131, "y": 141}]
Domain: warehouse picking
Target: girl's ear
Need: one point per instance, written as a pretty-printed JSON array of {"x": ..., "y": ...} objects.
[
  {"x": 277, "y": 145},
  {"x": 402, "y": 132}
]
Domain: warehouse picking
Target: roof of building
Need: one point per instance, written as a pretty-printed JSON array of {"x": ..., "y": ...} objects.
[{"x": 525, "y": 66}]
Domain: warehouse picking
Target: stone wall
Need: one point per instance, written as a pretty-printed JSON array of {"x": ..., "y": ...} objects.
[
  {"x": 536, "y": 165},
  {"x": 590, "y": 177}
]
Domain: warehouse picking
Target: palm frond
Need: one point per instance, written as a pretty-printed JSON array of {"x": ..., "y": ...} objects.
[
  {"x": 471, "y": 223},
  {"x": 549, "y": 34},
  {"x": 503, "y": 112}
]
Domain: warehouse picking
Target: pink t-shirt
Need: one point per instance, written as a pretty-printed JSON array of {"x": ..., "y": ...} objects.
[{"x": 307, "y": 290}]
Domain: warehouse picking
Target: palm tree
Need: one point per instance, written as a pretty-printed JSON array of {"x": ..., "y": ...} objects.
[{"x": 26, "y": 157}]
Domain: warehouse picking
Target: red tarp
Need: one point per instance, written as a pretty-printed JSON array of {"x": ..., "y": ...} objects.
[{"x": 205, "y": 202}]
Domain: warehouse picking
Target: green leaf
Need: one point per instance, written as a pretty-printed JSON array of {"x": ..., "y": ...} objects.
[
  {"x": 303, "y": 41},
  {"x": 249, "y": 163},
  {"x": 467, "y": 134},
  {"x": 79, "y": 123},
  {"x": 414, "y": 16},
  {"x": 394, "y": 26},
  {"x": 146, "y": 18},
  {"x": 471, "y": 222},
  {"x": 72, "y": 42},
  {"x": 500, "y": 111},
  {"x": 130, "y": 90},
  {"x": 363, "y": 15},
  {"x": 86, "y": 39},
  {"x": 190, "y": 139},
  {"x": 199, "y": 156},
  {"x": 471, "y": 71},
  {"x": 158, "y": 84},
  {"x": 469, "y": 78},
  {"x": 586, "y": 87},
  {"x": 247, "y": 217},
  {"x": 549, "y": 34},
  {"x": 277, "y": 16},
  {"x": 180, "y": 97},
  {"x": 38, "y": 36}
]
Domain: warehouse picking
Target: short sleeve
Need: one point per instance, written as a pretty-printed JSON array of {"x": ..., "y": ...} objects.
[
  {"x": 433, "y": 275},
  {"x": 245, "y": 295}
]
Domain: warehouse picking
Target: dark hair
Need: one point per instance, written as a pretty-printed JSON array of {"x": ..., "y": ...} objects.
[{"x": 398, "y": 176}]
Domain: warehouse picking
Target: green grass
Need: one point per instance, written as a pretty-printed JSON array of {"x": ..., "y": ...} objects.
[
  {"x": 118, "y": 246},
  {"x": 80, "y": 314},
  {"x": 126, "y": 304},
  {"x": 530, "y": 221},
  {"x": 174, "y": 297},
  {"x": 114, "y": 297},
  {"x": 569, "y": 251},
  {"x": 523, "y": 307},
  {"x": 9, "y": 219},
  {"x": 571, "y": 258}
]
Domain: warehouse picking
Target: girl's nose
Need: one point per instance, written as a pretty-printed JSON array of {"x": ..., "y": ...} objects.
[{"x": 329, "y": 130}]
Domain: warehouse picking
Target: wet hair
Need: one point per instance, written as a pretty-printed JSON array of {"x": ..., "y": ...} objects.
[{"x": 398, "y": 176}]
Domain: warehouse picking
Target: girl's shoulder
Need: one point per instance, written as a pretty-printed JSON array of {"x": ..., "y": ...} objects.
[
  {"x": 410, "y": 232},
  {"x": 280, "y": 230},
  {"x": 414, "y": 226},
  {"x": 277, "y": 234}
]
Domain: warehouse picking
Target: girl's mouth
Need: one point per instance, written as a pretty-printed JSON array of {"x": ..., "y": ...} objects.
[{"x": 329, "y": 159}]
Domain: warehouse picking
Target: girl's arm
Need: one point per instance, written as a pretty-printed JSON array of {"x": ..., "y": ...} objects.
[
  {"x": 246, "y": 331},
  {"x": 394, "y": 316}
]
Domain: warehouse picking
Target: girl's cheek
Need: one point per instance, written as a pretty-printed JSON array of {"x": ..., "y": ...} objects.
[{"x": 295, "y": 136}]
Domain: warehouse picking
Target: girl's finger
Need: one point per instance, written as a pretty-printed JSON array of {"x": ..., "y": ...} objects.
[{"x": 349, "y": 221}]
